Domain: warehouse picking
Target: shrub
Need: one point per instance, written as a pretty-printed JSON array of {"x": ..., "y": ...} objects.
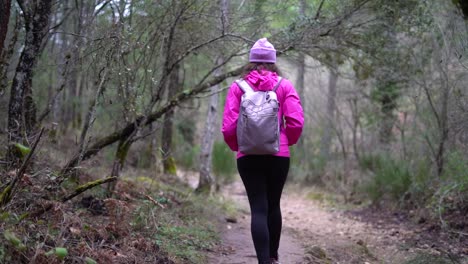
[
  {"x": 224, "y": 162},
  {"x": 370, "y": 161},
  {"x": 391, "y": 176},
  {"x": 187, "y": 156},
  {"x": 451, "y": 195},
  {"x": 306, "y": 165}
]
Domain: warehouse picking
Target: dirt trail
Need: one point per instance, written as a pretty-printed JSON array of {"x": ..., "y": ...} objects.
[
  {"x": 315, "y": 234},
  {"x": 237, "y": 246}
]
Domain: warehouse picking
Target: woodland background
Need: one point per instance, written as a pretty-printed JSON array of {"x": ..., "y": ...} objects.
[{"x": 109, "y": 87}]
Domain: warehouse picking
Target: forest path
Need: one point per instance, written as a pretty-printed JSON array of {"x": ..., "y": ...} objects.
[
  {"x": 317, "y": 234},
  {"x": 237, "y": 246}
]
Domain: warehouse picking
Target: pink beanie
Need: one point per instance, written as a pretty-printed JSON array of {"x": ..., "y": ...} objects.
[{"x": 263, "y": 51}]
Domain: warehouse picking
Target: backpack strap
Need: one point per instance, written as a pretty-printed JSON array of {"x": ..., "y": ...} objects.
[
  {"x": 277, "y": 84},
  {"x": 244, "y": 86}
]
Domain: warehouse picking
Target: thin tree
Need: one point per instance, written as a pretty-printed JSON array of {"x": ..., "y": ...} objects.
[
  {"x": 206, "y": 179},
  {"x": 301, "y": 73},
  {"x": 329, "y": 124},
  {"x": 168, "y": 161}
]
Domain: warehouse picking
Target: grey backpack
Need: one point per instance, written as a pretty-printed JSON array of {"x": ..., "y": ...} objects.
[{"x": 258, "y": 126}]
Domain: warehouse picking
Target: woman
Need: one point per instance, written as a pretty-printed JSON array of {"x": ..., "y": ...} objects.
[{"x": 264, "y": 175}]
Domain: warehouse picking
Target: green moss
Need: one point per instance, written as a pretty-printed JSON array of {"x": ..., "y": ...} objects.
[
  {"x": 187, "y": 243},
  {"x": 315, "y": 196},
  {"x": 88, "y": 185},
  {"x": 122, "y": 151},
  {"x": 22, "y": 149},
  {"x": 145, "y": 180},
  {"x": 14, "y": 240},
  {"x": 170, "y": 166},
  {"x": 5, "y": 196}
]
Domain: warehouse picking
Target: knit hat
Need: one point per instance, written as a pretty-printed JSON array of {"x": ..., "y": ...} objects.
[{"x": 263, "y": 51}]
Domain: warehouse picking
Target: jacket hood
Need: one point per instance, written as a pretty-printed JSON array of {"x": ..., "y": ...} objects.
[{"x": 263, "y": 80}]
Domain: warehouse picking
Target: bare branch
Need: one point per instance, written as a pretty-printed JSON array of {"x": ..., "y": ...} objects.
[
  {"x": 9, "y": 191},
  {"x": 145, "y": 120},
  {"x": 154, "y": 201},
  {"x": 317, "y": 14}
]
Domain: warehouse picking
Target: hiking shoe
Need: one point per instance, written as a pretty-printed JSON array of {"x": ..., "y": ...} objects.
[{"x": 274, "y": 261}]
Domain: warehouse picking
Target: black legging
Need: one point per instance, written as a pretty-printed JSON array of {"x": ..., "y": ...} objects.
[{"x": 264, "y": 177}]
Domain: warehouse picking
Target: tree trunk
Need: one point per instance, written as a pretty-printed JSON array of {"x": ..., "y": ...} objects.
[
  {"x": 6, "y": 56},
  {"x": 5, "y": 6},
  {"x": 71, "y": 113},
  {"x": 206, "y": 179},
  {"x": 21, "y": 109},
  {"x": 168, "y": 160},
  {"x": 301, "y": 71},
  {"x": 355, "y": 126},
  {"x": 119, "y": 161},
  {"x": 82, "y": 27},
  {"x": 387, "y": 83},
  {"x": 30, "y": 110},
  {"x": 387, "y": 100},
  {"x": 300, "y": 87},
  {"x": 443, "y": 122},
  {"x": 330, "y": 116},
  {"x": 301, "y": 91}
]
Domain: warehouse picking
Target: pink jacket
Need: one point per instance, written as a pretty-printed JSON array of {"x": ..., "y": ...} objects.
[{"x": 290, "y": 110}]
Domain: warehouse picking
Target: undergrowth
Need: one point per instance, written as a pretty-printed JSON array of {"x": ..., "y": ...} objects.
[
  {"x": 392, "y": 177},
  {"x": 414, "y": 184},
  {"x": 146, "y": 220}
]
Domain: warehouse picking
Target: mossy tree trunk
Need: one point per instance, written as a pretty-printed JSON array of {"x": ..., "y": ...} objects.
[
  {"x": 174, "y": 86},
  {"x": 21, "y": 108},
  {"x": 119, "y": 161}
]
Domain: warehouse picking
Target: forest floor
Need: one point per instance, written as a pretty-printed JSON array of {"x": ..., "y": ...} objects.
[
  {"x": 314, "y": 232},
  {"x": 161, "y": 220}
]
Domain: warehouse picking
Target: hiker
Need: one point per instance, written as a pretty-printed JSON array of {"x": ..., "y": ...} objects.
[{"x": 263, "y": 175}]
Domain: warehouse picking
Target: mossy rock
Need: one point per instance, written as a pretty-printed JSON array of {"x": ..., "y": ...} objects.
[{"x": 316, "y": 254}]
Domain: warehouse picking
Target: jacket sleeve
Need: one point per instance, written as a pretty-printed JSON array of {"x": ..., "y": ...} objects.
[
  {"x": 230, "y": 116},
  {"x": 293, "y": 115}
]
